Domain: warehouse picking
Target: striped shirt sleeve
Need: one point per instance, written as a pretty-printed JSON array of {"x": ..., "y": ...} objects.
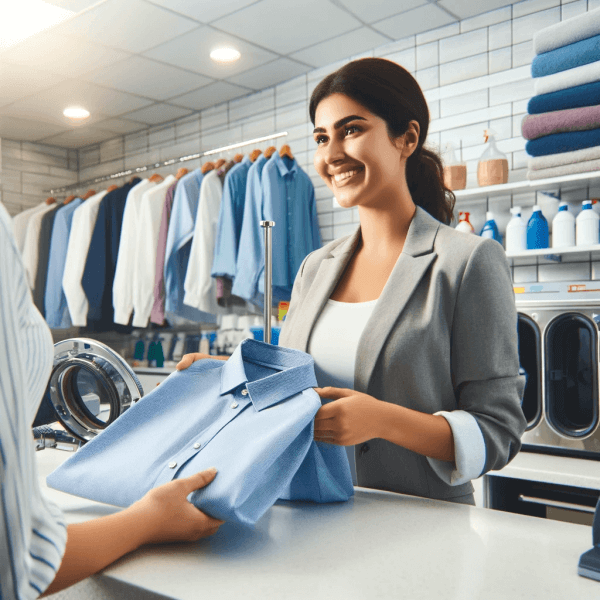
[{"x": 32, "y": 529}]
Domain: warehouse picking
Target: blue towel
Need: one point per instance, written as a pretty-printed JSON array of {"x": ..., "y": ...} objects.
[
  {"x": 567, "y": 57},
  {"x": 581, "y": 95},
  {"x": 563, "y": 142}
]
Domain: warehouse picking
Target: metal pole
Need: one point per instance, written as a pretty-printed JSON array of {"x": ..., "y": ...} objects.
[{"x": 267, "y": 225}]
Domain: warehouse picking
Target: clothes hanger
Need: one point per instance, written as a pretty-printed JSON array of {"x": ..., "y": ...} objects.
[
  {"x": 69, "y": 199},
  {"x": 180, "y": 173},
  {"x": 269, "y": 151},
  {"x": 112, "y": 187},
  {"x": 88, "y": 194},
  {"x": 50, "y": 200},
  {"x": 255, "y": 154},
  {"x": 219, "y": 163},
  {"x": 286, "y": 151},
  {"x": 156, "y": 178},
  {"x": 238, "y": 158},
  {"x": 206, "y": 167}
]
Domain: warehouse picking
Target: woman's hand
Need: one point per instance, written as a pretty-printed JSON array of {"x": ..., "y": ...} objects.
[
  {"x": 170, "y": 517},
  {"x": 353, "y": 418},
  {"x": 188, "y": 359}
]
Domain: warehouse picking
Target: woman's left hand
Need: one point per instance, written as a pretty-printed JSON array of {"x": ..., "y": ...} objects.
[{"x": 353, "y": 418}]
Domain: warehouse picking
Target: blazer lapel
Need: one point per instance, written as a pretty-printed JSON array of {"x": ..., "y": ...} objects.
[
  {"x": 413, "y": 262},
  {"x": 329, "y": 272}
]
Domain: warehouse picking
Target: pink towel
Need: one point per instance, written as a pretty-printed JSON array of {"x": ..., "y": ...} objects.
[
  {"x": 581, "y": 167},
  {"x": 560, "y": 121}
]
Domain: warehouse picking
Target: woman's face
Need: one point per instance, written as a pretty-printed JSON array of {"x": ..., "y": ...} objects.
[{"x": 355, "y": 156}]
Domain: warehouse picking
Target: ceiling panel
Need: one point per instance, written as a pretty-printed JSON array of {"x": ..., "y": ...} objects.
[
  {"x": 204, "y": 10},
  {"x": 469, "y": 8},
  {"x": 414, "y": 21},
  {"x": 74, "y": 5},
  {"x": 375, "y": 10},
  {"x": 121, "y": 126},
  {"x": 158, "y": 113},
  {"x": 347, "y": 44},
  {"x": 212, "y": 94},
  {"x": 49, "y": 104},
  {"x": 146, "y": 77},
  {"x": 192, "y": 51},
  {"x": 133, "y": 25},
  {"x": 288, "y": 26},
  {"x": 30, "y": 130},
  {"x": 79, "y": 138},
  {"x": 270, "y": 74},
  {"x": 16, "y": 82},
  {"x": 64, "y": 55}
]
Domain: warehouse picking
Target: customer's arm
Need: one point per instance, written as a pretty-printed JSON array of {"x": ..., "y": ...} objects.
[{"x": 163, "y": 515}]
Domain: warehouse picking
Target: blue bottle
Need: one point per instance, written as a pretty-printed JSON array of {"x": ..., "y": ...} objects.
[
  {"x": 537, "y": 230},
  {"x": 490, "y": 229}
]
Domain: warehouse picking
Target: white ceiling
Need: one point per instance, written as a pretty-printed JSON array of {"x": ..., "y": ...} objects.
[{"x": 138, "y": 63}]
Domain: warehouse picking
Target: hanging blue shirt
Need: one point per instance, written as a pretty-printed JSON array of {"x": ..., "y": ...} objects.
[
  {"x": 55, "y": 301},
  {"x": 179, "y": 243},
  {"x": 231, "y": 215},
  {"x": 251, "y": 236},
  {"x": 288, "y": 198},
  {"x": 251, "y": 417}
]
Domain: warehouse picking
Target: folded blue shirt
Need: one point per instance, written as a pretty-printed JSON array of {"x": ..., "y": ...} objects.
[
  {"x": 251, "y": 417},
  {"x": 580, "y": 95},
  {"x": 574, "y": 55},
  {"x": 567, "y": 141}
]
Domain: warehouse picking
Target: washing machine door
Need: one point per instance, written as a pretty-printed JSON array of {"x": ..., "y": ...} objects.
[{"x": 90, "y": 386}]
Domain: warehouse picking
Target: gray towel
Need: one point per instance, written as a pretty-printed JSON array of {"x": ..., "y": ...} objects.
[
  {"x": 564, "y": 158},
  {"x": 572, "y": 30},
  {"x": 581, "y": 167}
]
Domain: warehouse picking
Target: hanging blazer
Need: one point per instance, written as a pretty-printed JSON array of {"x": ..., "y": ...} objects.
[{"x": 442, "y": 337}]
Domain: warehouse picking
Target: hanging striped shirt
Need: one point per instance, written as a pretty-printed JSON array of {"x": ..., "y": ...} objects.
[{"x": 32, "y": 529}]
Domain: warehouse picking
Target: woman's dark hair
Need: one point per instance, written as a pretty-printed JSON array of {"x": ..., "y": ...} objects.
[{"x": 389, "y": 91}]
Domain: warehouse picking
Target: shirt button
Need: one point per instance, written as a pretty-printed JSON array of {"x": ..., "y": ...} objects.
[
  {"x": 197, "y": 445},
  {"x": 234, "y": 405},
  {"x": 244, "y": 392},
  {"x": 172, "y": 465},
  {"x": 363, "y": 449}
]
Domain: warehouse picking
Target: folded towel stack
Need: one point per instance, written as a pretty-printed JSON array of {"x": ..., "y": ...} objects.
[{"x": 563, "y": 121}]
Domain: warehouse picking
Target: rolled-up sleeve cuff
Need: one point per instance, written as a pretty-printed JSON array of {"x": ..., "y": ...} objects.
[{"x": 469, "y": 449}]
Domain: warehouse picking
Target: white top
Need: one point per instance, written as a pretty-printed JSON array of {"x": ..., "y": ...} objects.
[
  {"x": 32, "y": 530},
  {"x": 82, "y": 228},
  {"x": 20, "y": 223},
  {"x": 334, "y": 343},
  {"x": 200, "y": 287},
  {"x": 31, "y": 244},
  {"x": 123, "y": 280}
]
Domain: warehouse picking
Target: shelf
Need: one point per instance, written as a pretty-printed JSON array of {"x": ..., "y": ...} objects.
[
  {"x": 555, "y": 254},
  {"x": 523, "y": 186}
]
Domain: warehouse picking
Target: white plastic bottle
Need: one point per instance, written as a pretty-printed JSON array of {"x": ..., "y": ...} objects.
[
  {"x": 516, "y": 232},
  {"x": 563, "y": 227},
  {"x": 464, "y": 224},
  {"x": 587, "y": 225}
]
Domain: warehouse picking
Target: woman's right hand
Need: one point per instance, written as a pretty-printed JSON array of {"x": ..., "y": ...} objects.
[{"x": 189, "y": 359}]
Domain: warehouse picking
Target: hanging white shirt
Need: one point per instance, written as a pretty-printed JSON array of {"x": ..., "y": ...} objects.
[
  {"x": 32, "y": 243},
  {"x": 125, "y": 268},
  {"x": 20, "y": 222},
  {"x": 82, "y": 227},
  {"x": 333, "y": 344},
  {"x": 150, "y": 213},
  {"x": 33, "y": 532},
  {"x": 200, "y": 288}
]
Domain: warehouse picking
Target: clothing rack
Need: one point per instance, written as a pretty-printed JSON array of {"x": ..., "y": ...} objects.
[{"x": 165, "y": 163}]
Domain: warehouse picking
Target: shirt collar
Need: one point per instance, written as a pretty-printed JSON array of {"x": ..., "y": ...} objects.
[
  {"x": 246, "y": 160},
  {"x": 281, "y": 165},
  {"x": 296, "y": 372}
]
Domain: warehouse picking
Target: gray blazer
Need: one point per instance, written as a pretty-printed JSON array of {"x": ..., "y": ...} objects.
[{"x": 443, "y": 336}]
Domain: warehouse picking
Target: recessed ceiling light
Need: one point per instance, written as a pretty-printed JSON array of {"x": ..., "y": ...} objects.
[
  {"x": 25, "y": 18},
  {"x": 225, "y": 55},
  {"x": 76, "y": 113}
]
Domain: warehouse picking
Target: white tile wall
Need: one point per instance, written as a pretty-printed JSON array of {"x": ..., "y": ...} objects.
[{"x": 475, "y": 73}]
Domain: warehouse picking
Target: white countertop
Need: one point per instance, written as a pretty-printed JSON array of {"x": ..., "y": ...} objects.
[
  {"x": 563, "y": 470},
  {"x": 377, "y": 545}
]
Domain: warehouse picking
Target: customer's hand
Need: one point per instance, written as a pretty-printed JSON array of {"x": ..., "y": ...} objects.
[
  {"x": 170, "y": 517},
  {"x": 189, "y": 359}
]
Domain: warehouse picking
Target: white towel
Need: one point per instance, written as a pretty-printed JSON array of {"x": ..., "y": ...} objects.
[
  {"x": 567, "y": 32},
  {"x": 567, "y": 79},
  {"x": 564, "y": 158},
  {"x": 581, "y": 167}
]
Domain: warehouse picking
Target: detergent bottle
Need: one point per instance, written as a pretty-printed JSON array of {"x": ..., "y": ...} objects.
[
  {"x": 563, "y": 227},
  {"x": 586, "y": 225},
  {"x": 492, "y": 168},
  {"x": 464, "y": 224},
  {"x": 516, "y": 232},
  {"x": 537, "y": 230},
  {"x": 490, "y": 228}
]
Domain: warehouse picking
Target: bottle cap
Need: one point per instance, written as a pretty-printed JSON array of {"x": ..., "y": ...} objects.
[
  {"x": 515, "y": 210},
  {"x": 489, "y": 216},
  {"x": 536, "y": 207}
]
